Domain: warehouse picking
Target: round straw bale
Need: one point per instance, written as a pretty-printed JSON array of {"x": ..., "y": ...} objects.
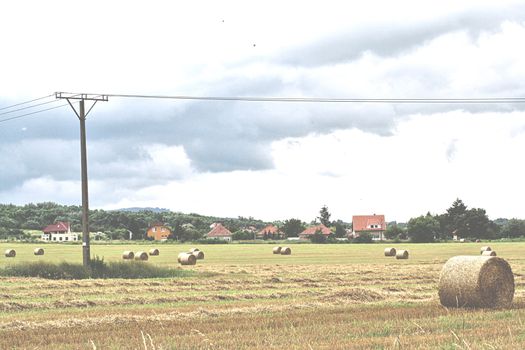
[
  {"x": 199, "y": 255},
  {"x": 38, "y": 251},
  {"x": 286, "y": 251},
  {"x": 141, "y": 256},
  {"x": 187, "y": 259},
  {"x": 277, "y": 250},
  {"x": 127, "y": 255},
  {"x": 485, "y": 248},
  {"x": 462, "y": 240},
  {"x": 390, "y": 251},
  {"x": 402, "y": 254},
  {"x": 154, "y": 252},
  {"x": 476, "y": 281},
  {"x": 488, "y": 253},
  {"x": 194, "y": 250},
  {"x": 10, "y": 253}
]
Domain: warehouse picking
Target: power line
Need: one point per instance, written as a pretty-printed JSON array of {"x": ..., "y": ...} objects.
[
  {"x": 325, "y": 100},
  {"x": 23, "y": 103},
  {"x": 35, "y": 112},
  {"x": 28, "y": 107}
]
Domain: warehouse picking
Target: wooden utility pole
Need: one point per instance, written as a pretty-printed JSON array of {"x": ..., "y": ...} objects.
[{"x": 81, "y": 114}]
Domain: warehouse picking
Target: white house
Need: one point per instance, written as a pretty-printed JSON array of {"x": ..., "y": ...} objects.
[{"x": 59, "y": 232}]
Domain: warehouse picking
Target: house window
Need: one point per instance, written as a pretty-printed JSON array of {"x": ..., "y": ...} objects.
[
  {"x": 54, "y": 238},
  {"x": 66, "y": 238}
]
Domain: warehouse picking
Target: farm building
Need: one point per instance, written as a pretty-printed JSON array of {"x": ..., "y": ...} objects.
[
  {"x": 310, "y": 231},
  {"x": 270, "y": 231},
  {"x": 158, "y": 231},
  {"x": 373, "y": 224},
  {"x": 218, "y": 231},
  {"x": 58, "y": 232}
]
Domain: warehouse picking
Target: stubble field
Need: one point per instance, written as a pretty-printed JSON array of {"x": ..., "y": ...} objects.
[{"x": 244, "y": 297}]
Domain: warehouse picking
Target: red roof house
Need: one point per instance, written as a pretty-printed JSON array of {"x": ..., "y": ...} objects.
[
  {"x": 270, "y": 231},
  {"x": 58, "y": 232},
  {"x": 310, "y": 231},
  {"x": 220, "y": 232},
  {"x": 373, "y": 224}
]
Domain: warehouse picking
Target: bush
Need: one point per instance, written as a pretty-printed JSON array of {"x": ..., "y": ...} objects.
[
  {"x": 364, "y": 237},
  {"x": 98, "y": 269},
  {"x": 61, "y": 271}
]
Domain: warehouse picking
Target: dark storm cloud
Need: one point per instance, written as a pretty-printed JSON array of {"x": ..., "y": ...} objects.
[{"x": 391, "y": 40}]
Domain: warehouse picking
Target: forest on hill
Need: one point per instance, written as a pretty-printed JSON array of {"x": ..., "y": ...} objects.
[{"x": 113, "y": 224}]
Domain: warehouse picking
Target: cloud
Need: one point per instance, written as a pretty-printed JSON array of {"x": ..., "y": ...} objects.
[
  {"x": 392, "y": 38},
  {"x": 451, "y": 150}
]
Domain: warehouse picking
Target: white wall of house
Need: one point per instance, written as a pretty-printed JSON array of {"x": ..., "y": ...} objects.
[{"x": 59, "y": 237}]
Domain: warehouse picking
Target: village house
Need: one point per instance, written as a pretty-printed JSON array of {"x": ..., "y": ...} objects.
[
  {"x": 271, "y": 232},
  {"x": 58, "y": 232},
  {"x": 375, "y": 225},
  {"x": 158, "y": 232},
  {"x": 218, "y": 231},
  {"x": 310, "y": 231}
]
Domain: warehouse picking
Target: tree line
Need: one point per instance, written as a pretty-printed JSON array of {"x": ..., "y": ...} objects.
[
  {"x": 458, "y": 220},
  {"x": 112, "y": 224}
]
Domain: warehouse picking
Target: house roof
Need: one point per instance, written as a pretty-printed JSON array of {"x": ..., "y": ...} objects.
[
  {"x": 271, "y": 229},
  {"x": 58, "y": 227},
  {"x": 363, "y": 222},
  {"x": 313, "y": 229},
  {"x": 219, "y": 231}
]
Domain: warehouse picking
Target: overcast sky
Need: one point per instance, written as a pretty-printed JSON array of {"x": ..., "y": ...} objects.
[{"x": 267, "y": 160}]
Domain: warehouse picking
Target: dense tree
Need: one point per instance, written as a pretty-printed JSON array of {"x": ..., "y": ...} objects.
[
  {"x": 454, "y": 219},
  {"x": 242, "y": 235},
  {"x": 293, "y": 227},
  {"x": 340, "y": 230},
  {"x": 477, "y": 224},
  {"x": 318, "y": 237},
  {"x": 513, "y": 228},
  {"x": 394, "y": 231},
  {"x": 324, "y": 216},
  {"x": 423, "y": 229}
]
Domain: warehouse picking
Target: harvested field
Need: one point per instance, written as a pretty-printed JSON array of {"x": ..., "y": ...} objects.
[{"x": 322, "y": 296}]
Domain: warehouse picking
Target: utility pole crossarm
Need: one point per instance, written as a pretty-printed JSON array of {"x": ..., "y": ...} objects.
[
  {"x": 87, "y": 97},
  {"x": 81, "y": 114}
]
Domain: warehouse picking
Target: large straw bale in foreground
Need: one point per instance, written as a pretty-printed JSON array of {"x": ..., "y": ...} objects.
[
  {"x": 154, "y": 252},
  {"x": 286, "y": 251},
  {"x": 199, "y": 255},
  {"x": 489, "y": 253},
  {"x": 476, "y": 281},
  {"x": 277, "y": 250},
  {"x": 141, "y": 256},
  {"x": 128, "y": 255},
  {"x": 10, "y": 253},
  {"x": 38, "y": 251},
  {"x": 390, "y": 251},
  {"x": 187, "y": 259},
  {"x": 485, "y": 249},
  {"x": 402, "y": 254}
]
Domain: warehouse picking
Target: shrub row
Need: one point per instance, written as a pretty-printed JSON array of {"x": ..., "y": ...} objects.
[{"x": 97, "y": 269}]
